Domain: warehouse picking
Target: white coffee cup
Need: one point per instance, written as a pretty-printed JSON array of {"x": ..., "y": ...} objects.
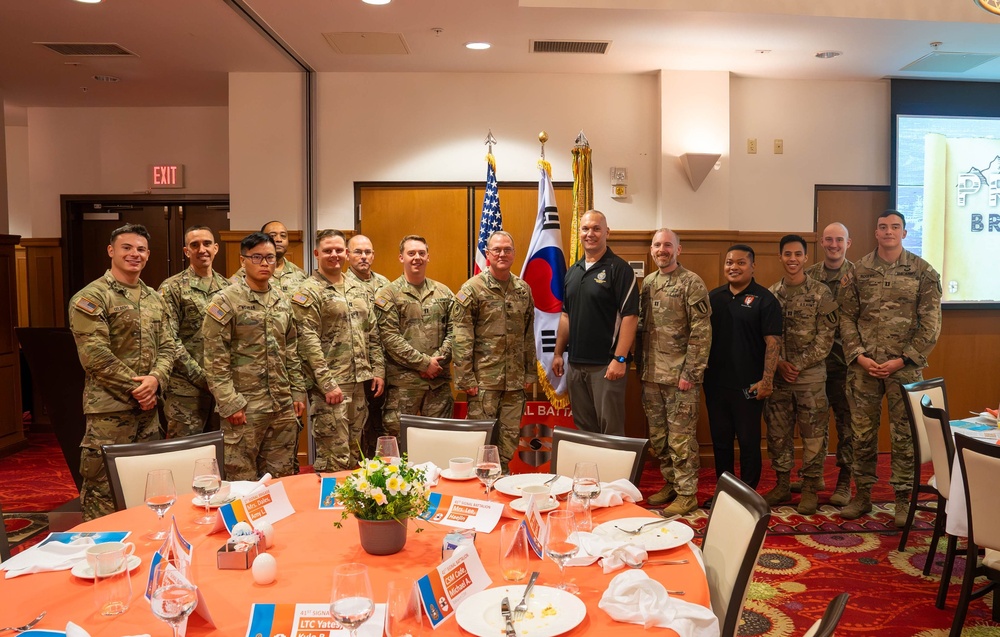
[
  {"x": 461, "y": 467},
  {"x": 125, "y": 549},
  {"x": 539, "y": 493}
]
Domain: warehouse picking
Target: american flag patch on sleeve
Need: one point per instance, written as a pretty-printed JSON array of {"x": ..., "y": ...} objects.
[
  {"x": 216, "y": 312},
  {"x": 85, "y": 304}
]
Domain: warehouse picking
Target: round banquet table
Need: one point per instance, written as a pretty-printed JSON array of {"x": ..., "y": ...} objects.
[{"x": 307, "y": 547}]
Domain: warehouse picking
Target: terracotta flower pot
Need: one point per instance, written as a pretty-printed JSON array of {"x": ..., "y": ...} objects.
[{"x": 382, "y": 537}]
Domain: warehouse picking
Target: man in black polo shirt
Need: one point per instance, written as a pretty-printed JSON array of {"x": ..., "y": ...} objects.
[
  {"x": 597, "y": 327},
  {"x": 746, "y": 342}
]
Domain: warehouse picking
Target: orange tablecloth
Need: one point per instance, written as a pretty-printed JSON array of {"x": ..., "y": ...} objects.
[{"x": 307, "y": 547}]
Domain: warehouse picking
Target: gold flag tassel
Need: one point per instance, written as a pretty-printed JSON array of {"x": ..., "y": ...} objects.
[
  {"x": 583, "y": 191},
  {"x": 557, "y": 401}
]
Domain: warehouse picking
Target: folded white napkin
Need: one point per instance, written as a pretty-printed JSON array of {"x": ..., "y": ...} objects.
[
  {"x": 240, "y": 488},
  {"x": 611, "y": 552},
  {"x": 615, "y": 494},
  {"x": 50, "y": 556},
  {"x": 634, "y": 598},
  {"x": 72, "y": 630},
  {"x": 431, "y": 472}
]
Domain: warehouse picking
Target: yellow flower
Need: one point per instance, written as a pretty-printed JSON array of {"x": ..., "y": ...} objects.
[
  {"x": 362, "y": 485},
  {"x": 377, "y": 495},
  {"x": 391, "y": 468},
  {"x": 394, "y": 484},
  {"x": 372, "y": 466}
]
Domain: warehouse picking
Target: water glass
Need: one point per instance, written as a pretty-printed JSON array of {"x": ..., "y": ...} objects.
[
  {"x": 488, "y": 468},
  {"x": 387, "y": 448},
  {"x": 174, "y": 596},
  {"x": 112, "y": 583},
  {"x": 581, "y": 507},
  {"x": 206, "y": 482},
  {"x": 351, "y": 602},
  {"x": 560, "y": 545},
  {"x": 513, "y": 552},
  {"x": 160, "y": 496},
  {"x": 403, "y": 615}
]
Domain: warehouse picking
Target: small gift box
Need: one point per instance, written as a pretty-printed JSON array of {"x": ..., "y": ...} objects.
[{"x": 238, "y": 554}]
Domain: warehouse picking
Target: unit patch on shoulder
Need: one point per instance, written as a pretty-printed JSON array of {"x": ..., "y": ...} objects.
[
  {"x": 86, "y": 305},
  {"x": 301, "y": 298},
  {"x": 217, "y": 312}
]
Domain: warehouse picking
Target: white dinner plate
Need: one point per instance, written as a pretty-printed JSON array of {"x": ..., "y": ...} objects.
[
  {"x": 551, "y": 611},
  {"x": 513, "y": 484},
  {"x": 521, "y": 505},
  {"x": 83, "y": 570},
  {"x": 658, "y": 537},
  {"x": 448, "y": 475}
]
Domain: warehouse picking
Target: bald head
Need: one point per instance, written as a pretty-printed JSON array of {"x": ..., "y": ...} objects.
[
  {"x": 665, "y": 248},
  {"x": 360, "y": 256},
  {"x": 594, "y": 234},
  {"x": 836, "y": 240}
]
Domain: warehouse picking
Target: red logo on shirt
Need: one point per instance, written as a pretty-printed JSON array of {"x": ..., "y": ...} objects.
[{"x": 748, "y": 300}]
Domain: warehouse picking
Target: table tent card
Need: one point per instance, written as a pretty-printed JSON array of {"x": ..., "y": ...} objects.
[
  {"x": 328, "y": 493},
  {"x": 266, "y": 505},
  {"x": 456, "y": 578},
  {"x": 176, "y": 548},
  {"x": 534, "y": 526},
  {"x": 463, "y": 513},
  {"x": 307, "y": 620}
]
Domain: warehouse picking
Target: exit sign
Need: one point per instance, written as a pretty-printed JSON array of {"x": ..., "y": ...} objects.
[{"x": 166, "y": 176}]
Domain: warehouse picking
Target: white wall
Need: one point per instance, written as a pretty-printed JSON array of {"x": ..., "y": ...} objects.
[
  {"x": 108, "y": 151},
  {"x": 18, "y": 200},
  {"x": 266, "y": 150},
  {"x": 833, "y": 132},
  {"x": 431, "y": 127}
]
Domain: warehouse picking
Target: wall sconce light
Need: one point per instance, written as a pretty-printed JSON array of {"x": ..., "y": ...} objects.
[
  {"x": 698, "y": 165},
  {"x": 619, "y": 182}
]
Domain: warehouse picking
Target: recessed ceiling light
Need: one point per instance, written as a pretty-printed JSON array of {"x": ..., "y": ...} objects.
[
  {"x": 376, "y": 1},
  {"x": 478, "y": 46},
  {"x": 107, "y": 78},
  {"x": 90, "y": 1},
  {"x": 826, "y": 55}
]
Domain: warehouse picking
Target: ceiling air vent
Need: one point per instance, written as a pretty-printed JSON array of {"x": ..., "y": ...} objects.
[
  {"x": 599, "y": 47},
  {"x": 88, "y": 49}
]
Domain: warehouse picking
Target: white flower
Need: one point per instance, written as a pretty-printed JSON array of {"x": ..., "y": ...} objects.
[
  {"x": 395, "y": 484},
  {"x": 372, "y": 466},
  {"x": 377, "y": 495},
  {"x": 362, "y": 485}
]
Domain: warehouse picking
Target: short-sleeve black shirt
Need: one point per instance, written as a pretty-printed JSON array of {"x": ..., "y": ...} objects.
[
  {"x": 596, "y": 299},
  {"x": 739, "y": 325}
]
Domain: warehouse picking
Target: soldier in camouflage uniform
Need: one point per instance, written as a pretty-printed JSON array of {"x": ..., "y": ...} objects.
[
  {"x": 835, "y": 266},
  {"x": 340, "y": 351},
  {"x": 414, "y": 323},
  {"x": 890, "y": 319},
  {"x": 673, "y": 340},
  {"x": 809, "y": 320},
  {"x": 187, "y": 402},
  {"x": 494, "y": 351},
  {"x": 360, "y": 256},
  {"x": 127, "y": 350},
  {"x": 253, "y": 369},
  {"x": 288, "y": 275}
]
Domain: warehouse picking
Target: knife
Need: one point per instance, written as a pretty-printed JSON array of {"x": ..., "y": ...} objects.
[{"x": 505, "y": 611}]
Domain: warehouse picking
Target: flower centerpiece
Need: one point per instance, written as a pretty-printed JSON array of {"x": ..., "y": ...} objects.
[{"x": 383, "y": 495}]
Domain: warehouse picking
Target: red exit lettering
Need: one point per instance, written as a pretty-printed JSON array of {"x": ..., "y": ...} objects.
[{"x": 164, "y": 175}]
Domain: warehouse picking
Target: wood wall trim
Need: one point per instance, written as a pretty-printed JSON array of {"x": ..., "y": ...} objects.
[{"x": 47, "y": 242}]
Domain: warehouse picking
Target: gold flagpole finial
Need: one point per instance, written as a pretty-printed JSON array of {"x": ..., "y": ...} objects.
[
  {"x": 582, "y": 141},
  {"x": 542, "y": 138},
  {"x": 490, "y": 140}
]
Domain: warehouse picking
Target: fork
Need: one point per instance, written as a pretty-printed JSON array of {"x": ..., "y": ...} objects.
[
  {"x": 28, "y": 626},
  {"x": 640, "y": 529},
  {"x": 522, "y": 606}
]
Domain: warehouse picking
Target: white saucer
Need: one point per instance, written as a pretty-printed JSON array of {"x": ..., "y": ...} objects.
[
  {"x": 214, "y": 503},
  {"x": 83, "y": 570},
  {"x": 521, "y": 505},
  {"x": 448, "y": 475}
]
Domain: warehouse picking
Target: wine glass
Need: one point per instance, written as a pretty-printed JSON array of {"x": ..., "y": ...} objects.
[
  {"x": 160, "y": 496},
  {"x": 560, "y": 527},
  {"x": 206, "y": 482},
  {"x": 351, "y": 603},
  {"x": 387, "y": 448},
  {"x": 488, "y": 466},
  {"x": 403, "y": 617},
  {"x": 174, "y": 596},
  {"x": 586, "y": 485}
]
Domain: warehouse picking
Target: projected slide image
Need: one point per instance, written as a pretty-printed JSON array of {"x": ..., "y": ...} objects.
[{"x": 948, "y": 186}]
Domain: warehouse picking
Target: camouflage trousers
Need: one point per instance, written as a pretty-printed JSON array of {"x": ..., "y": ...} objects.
[
  {"x": 864, "y": 393},
  {"x": 265, "y": 444},
  {"x": 113, "y": 428},
  {"x": 672, "y": 415},
  {"x": 807, "y": 406},
  {"x": 373, "y": 425},
  {"x": 505, "y": 406},
  {"x": 436, "y": 402},
  {"x": 836, "y": 394},
  {"x": 187, "y": 415},
  {"x": 336, "y": 429}
]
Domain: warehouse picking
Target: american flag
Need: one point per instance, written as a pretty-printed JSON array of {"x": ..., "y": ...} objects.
[{"x": 491, "y": 221}]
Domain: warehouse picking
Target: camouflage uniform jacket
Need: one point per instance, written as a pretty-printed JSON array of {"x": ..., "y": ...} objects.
[
  {"x": 675, "y": 328},
  {"x": 817, "y": 271},
  {"x": 494, "y": 334},
  {"x": 289, "y": 278},
  {"x": 891, "y": 310},
  {"x": 338, "y": 333},
  {"x": 374, "y": 283},
  {"x": 118, "y": 340},
  {"x": 414, "y": 324},
  {"x": 186, "y": 296},
  {"x": 251, "y": 360},
  {"x": 809, "y": 321}
]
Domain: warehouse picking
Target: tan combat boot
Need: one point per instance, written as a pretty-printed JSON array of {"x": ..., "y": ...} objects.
[
  {"x": 810, "y": 499},
  {"x": 842, "y": 493},
  {"x": 683, "y": 505},
  {"x": 902, "y": 508},
  {"x": 781, "y": 492},
  {"x": 796, "y": 486},
  {"x": 661, "y": 497},
  {"x": 859, "y": 505}
]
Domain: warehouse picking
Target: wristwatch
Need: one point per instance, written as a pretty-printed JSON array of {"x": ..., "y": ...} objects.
[{"x": 620, "y": 359}]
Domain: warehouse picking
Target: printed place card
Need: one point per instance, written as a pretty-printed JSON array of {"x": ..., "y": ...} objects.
[
  {"x": 267, "y": 505},
  {"x": 328, "y": 493},
  {"x": 444, "y": 588},
  {"x": 463, "y": 513},
  {"x": 307, "y": 620}
]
